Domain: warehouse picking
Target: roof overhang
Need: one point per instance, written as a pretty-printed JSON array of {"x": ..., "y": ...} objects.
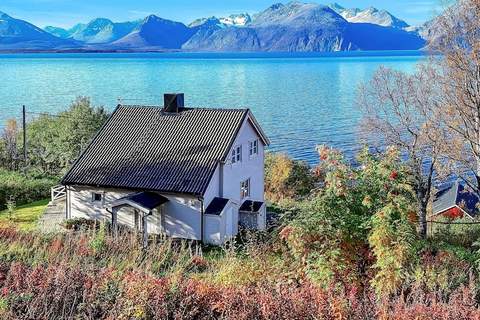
[
  {"x": 258, "y": 128},
  {"x": 143, "y": 201},
  {"x": 120, "y": 187}
]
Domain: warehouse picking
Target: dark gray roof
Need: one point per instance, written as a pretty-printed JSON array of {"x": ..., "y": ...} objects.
[
  {"x": 455, "y": 196},
  {"x": 251, "y": 206},
  {"x": 216, "y": 206},
  {"x": 149, "y": 200},
  {"x": 142, "y": 200},
  {"x": 142, "y": 147}
]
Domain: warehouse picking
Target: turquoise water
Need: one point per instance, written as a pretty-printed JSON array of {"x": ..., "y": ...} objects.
[{"x": 301, "y": 100}]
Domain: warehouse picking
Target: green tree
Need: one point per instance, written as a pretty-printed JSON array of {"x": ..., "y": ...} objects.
[{"x": 55, "y": 142}]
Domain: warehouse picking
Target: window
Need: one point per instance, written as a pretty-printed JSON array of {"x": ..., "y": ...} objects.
[
  {"x": 245, "y": 189},
  {"x": 253, "y": 148},
  {"x": 237, "y": 154},
  {"x": 96, "y": 197}
]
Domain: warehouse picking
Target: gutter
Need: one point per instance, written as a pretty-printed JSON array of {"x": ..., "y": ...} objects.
[{"x": 200, "y": 198}]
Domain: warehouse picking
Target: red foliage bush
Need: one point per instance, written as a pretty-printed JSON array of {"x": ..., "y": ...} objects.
[
  {"x": 63, "y": 292},
  {"x": 77, "y": 286}
]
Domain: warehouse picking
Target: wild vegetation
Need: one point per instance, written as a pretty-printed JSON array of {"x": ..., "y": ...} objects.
[
  {"x": 352, "y": 238},
  {"x": 349, "y": 250},
  {"x": 53, "y": 143}
]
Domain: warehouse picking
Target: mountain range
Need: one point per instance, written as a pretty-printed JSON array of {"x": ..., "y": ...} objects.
[{"x": 294, "y": 26}]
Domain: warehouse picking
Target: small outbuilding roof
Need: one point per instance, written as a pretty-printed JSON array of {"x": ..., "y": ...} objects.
[
  {"x": 251, "y": 206},
  {"x": 216, "y": 206},
  {"x": 456, "y": 196},
  {"x": 146, "y": 148}
]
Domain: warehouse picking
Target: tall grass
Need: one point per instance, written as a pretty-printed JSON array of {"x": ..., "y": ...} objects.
[{"x": 90, "y": 275}]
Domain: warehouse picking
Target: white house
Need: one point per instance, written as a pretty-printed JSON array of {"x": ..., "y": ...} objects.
[{"x": 193, "y": 173}]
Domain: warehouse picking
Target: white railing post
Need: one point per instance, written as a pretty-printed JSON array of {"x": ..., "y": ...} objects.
[{"x": 58, "y": 192}]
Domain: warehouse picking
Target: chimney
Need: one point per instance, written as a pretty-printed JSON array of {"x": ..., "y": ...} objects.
[{"x": 173, "y": 102}]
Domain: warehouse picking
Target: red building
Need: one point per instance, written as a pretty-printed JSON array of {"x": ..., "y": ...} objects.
[{"x": 456, "y": 201}]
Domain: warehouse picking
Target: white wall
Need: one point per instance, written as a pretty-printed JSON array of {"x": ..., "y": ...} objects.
[
  {"x": 213, "y": 188},
  {"x": 252, "y": 168},
  {"x": 216, "y": 226},
  {"x": 234, "y": 174},
  {"x": 179, "y": 218},
  {"x": 182, "y": 217},
  {"x": 213, "y": 229}
]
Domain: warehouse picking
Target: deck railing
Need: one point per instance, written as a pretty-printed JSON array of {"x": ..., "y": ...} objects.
[{"x": 58, "y": 192}]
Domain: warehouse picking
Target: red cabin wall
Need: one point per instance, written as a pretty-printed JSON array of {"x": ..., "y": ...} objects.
[{"x": 453, "y": 213}]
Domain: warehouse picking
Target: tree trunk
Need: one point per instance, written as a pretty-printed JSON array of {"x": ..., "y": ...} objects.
[{"x": 422, "y": 219}]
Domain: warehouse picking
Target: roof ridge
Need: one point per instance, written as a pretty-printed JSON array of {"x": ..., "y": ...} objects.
[{"x": 186, "y": 107}]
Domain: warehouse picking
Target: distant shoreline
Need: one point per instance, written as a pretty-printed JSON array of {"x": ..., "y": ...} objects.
[{"x": 215, "y": 54}]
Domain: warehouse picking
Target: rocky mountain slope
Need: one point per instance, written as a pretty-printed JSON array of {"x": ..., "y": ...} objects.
[
  {"x": 294, "y": 26},
  {"x": 16, "y": 33}
]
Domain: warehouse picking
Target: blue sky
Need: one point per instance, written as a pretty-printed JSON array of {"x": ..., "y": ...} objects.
[{"x": 65, "y": 13}]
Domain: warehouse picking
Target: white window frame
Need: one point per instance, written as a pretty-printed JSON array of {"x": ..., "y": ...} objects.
[
  {"x": 245, "y": 187},
  {"x": 253, "y": 148},
  {"x": 101, "y": 197},
  {"x": 236, "y": 154}
]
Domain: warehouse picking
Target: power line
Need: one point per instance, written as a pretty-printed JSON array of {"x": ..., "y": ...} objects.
[
  {"x": 59, "y": 116},
  {"x": 460, "y": 223}
]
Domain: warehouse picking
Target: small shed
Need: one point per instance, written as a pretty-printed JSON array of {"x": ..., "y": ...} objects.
[{"x": 456, "y": 201}]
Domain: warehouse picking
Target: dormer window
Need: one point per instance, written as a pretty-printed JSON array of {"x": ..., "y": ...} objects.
[
  {"x": 253, "y": 148},
  {"x": 237, "y": 154}
]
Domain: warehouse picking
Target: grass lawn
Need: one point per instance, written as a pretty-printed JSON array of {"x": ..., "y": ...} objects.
[{"x": 26, "y": 216}]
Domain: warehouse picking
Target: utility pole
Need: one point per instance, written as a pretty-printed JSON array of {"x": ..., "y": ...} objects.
[{"x": 24, "y": 124}]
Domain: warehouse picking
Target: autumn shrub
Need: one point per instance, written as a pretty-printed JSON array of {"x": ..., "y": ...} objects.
[
  {"x": 286, "y": 178},
  {"x": 66, "y": 292},
  {"x": 440, "y": 272},
  {"x": 79, "y": 223},
  {"x": 392, "y": 239},
  {"x": 338, "y": 232},
  {"x": 65, "y": 277}
]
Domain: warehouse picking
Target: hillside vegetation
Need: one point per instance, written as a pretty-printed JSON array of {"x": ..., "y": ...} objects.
[{"x": 347, "y": 239}]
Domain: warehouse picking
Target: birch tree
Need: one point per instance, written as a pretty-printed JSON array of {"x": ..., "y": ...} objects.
[
  {"x": 397, "y": 111},
  {"x": 457, "y": 71},
  {"x": 9, "y": 147}
]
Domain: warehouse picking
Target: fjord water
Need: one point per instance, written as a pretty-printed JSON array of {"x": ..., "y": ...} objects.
[{"x": 301, "y": 100}]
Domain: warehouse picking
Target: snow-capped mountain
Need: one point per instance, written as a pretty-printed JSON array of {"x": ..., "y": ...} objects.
[
  {"x": 369, "y": 15},
  {"x": 236, "y": 20},
  {"x": 102, "y": 30},
  {"x": 57, "y": 32},
  {"x": 300, "y": 26},
  {"x": 294, "y": 26},
  {"x": 212, "y": 21}
]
